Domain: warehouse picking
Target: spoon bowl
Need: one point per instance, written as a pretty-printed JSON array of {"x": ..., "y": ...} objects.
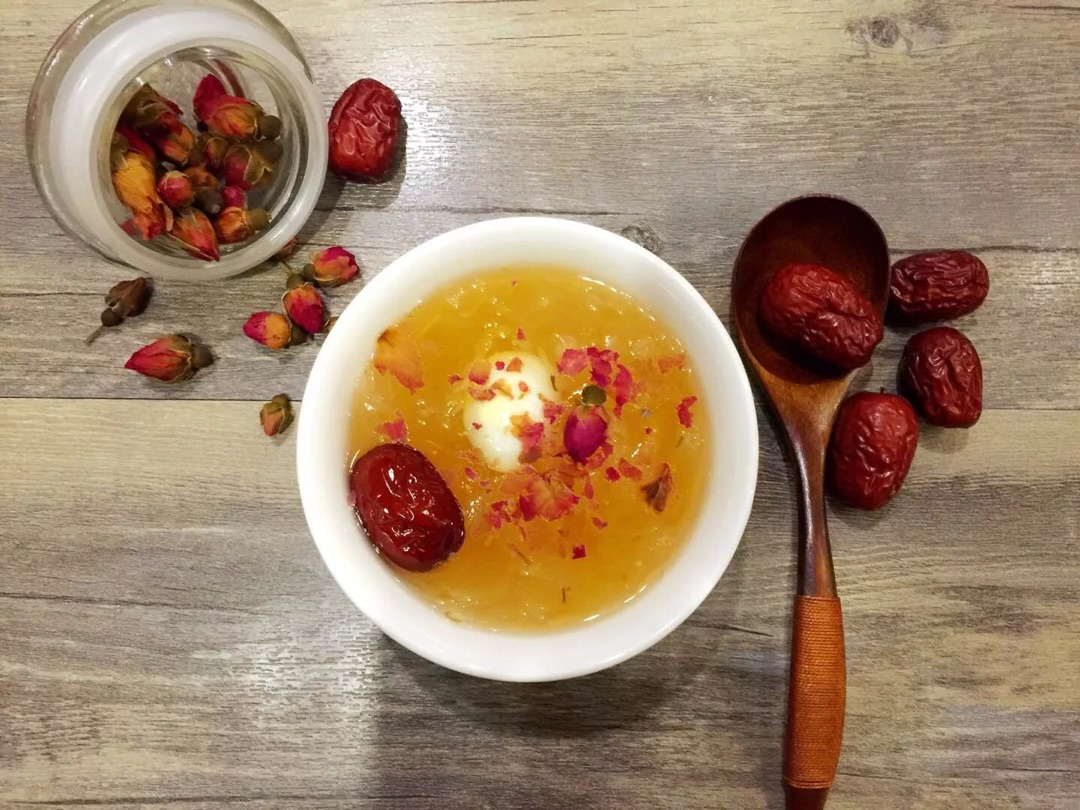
[{"x": 804, "y": 398}]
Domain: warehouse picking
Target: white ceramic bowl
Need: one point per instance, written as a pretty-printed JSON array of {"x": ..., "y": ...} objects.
[{"x": 372, "y": 584}]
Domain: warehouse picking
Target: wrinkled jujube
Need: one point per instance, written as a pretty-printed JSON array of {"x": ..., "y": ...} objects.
[
  {"x": 820, "y": 312},
  {"x": 937, "y": 285},
  {"x": 940, "y": 372},
  {"x": 406, "y": 507},
  {"x": 873, "y": 443}
]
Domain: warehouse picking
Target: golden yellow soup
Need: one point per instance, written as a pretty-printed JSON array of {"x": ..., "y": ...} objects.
[{"x": 483, "y": 377}]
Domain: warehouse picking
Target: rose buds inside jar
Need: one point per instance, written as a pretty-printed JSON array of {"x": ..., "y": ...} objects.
[
  {"x": 937, "y": 286},
  {"x": 238, "y": 225},
  {"x": 873, "y": 444},
  {"x": 821, "y": 313},
  {"x": 406, "y": 507},
  {"x": 364, "y": 127},
  {"x": 940, "y": 372}
]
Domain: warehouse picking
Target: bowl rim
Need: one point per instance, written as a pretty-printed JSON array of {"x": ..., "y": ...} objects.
[{"x": 319, "y": 503}]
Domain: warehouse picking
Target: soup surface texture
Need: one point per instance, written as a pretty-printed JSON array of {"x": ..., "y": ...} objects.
[{"x": 565, "y": 418}]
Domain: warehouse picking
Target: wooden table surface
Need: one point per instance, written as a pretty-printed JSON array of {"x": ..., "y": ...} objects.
[{"x": 169, "y": 637}]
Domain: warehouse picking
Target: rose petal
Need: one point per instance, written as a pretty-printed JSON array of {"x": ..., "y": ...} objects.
[
  {"x": 479, "y": 372},
  {"x": 625, "y": 390},
  {"x": 671, "y": 362},
  {"x": 400, "y": 357},
  {"x": 602, "y": 361},
  {"x": 598, "y": 523},
  {"x": 573, "y": 362},
  {"x": 578, "y": 552},
  {"x": 520, "y": 334},
  {"x": 628, "y": 470},
  {"x": 658, "y": 491},
  {"x": 514, "y": 365},
  {"x": 683, "y": 410},
  {"x": 612, "y": 474},
  {"x": 396, "y": 431}
]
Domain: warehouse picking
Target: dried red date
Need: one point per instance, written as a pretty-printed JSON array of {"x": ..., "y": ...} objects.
[
  {"x": 406, "y": 507},
  {"x": 822, "y": 313},
  {"x": 937, "y": 286},
  {"x": 364, "y": 127},
  {"x": 940, "y": 372},
  {"x": 873, "y": 443}
]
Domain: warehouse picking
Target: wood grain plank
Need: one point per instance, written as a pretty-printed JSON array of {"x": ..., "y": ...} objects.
[{"x": 170, "y": 637}]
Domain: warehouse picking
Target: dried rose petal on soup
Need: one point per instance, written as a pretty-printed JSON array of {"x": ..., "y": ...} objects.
[
  {"x": 686, "y": 419},
  {"x": 657, "y": 492},
  {"x": 397, "y": 355},
  {"x": 573, "y": 361}
]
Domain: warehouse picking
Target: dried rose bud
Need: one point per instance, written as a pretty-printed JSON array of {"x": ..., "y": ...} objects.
[
  {"x": 237, "y": 225},
  {"x": 170, "y": 359},
  {"x": 130, "y": 298},
  {"x": 201, "y": 177},
  {"x": 209, "y": 201},
  {"x": 232, "y": 117},
  {"x": 332, "y": 267},
  {"x": 135, "y": 183},
  {"x": 210, "y": 89},
  {"x": 269, "y": 126},
  {"x": 123, "y": 300},
  {"x": 276, "y": 415},
  {"x": 209, "y": 151},
  {"x": 245, "y": 167},
  {"x": 305, "y": 308},
  {"x": 271, "y": 329},
  {"x": 175, "y": 189},
  {"x": 148, "y": 110},
  {"x": 234, "y": 197},
  {"x": 133, "y": 140},
  {"x": 195, "y": 231},
  {"x": 176, "y": 143},
  {"x": 288, "y": 249},
  {"x": 585, "y": 431}
]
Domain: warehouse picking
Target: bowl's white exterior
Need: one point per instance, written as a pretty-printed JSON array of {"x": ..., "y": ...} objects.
[{"x": 371, "y": 583}]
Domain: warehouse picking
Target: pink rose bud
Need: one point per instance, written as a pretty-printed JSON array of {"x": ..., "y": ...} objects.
[
  {"x": 210, "y": 89},
  {"x": 305, "y": 308},
  {"x": 332, "y": 267},
  {"x": 234, "y": 197},
  {"x": 170, "y": 359},
  {"x": 235, "y": 225},
  {"x": 245, "y": 167},
  {"x": 271, "y": 329},
  {"x": 232, "y": 117},
  {"x": 194, "y": 230},
  {"x": 175, "y": 189},
  {"x": 586, "y": 430},
  {"x": 175, "y": 143}
]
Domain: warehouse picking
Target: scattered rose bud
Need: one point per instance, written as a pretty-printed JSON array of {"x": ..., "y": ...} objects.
[
  {"x": 237, "y": 225},
  {"x": 305, "y": 308},
  {"x": 271, "y": 329},
  {"x": 269, "y": 126},
  {"x": 232, "y": 117},
  {"x": 332, "y": 267},
  {"x": 194, "y": 230},
  {"x": 210, "y": 89},
  {"x": 133, "y": 140},
  {"x": 233, "y": 197},
  {"x": 175, "y": 189},
  {"x": 276, "y": 415},
  {"x": 209, "y": 201},
  {"x": 288, "y": 249},
  {"x": 209, "y": 151},
  {"x": 585, "y": 431},
  {"x": 245, "y": 167},
  {"x": 657, "y": 493},
  {"x": 170, "y": 359},
  {"x": 135, "y": 183},
  {"x": 363, "y": 128},
  {"x": 201, "y": 177},
  {"x": 123, "y": 300}
]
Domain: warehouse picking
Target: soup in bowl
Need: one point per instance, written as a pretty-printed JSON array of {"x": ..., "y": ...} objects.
[{"x": 528, "y": 449}]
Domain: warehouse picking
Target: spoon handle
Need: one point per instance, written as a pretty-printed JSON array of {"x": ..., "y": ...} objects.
[
  {"x": 816, "y": 692},
  {"x": 817, "y": 681}
]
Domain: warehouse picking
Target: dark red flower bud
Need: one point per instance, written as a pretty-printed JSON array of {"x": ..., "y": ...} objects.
[
  {"x": 170, "y": 359},
  {"x": 305, "y": 308}
]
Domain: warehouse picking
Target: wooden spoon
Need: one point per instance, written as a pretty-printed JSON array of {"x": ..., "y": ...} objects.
[{"x": 839, "y": 235}]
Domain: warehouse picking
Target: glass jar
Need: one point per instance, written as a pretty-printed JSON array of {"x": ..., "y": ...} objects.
[{"x": 97, "y": 65}]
